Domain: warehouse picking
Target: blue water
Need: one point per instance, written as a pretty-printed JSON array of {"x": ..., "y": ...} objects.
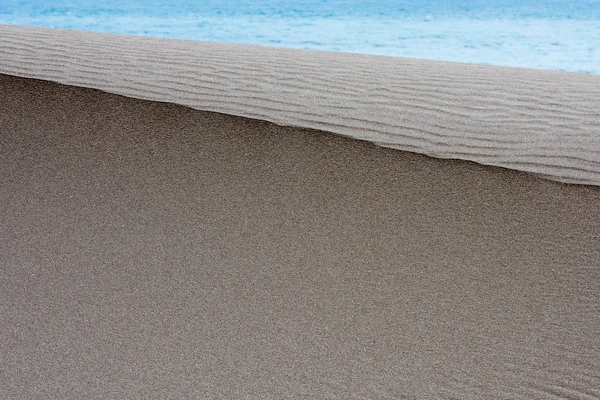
[{"x": 547, "y": 34}]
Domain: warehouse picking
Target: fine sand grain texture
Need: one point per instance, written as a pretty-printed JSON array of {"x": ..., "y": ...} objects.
[
  {"x": 545, "y": 122},
  {"x": 153, "y": 251}
]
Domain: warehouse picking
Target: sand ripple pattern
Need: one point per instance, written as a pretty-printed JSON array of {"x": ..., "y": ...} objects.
[{"x": 543, "y": 122}]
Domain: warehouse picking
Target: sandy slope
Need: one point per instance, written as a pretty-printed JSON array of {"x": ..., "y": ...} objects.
[{"x": 152, "y": 251}]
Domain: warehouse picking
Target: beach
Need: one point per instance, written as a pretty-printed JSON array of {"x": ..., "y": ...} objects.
[{"x": 191, "y": 220}]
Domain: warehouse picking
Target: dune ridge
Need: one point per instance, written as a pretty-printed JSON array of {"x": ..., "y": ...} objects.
[{"x": 543, "y": 122}]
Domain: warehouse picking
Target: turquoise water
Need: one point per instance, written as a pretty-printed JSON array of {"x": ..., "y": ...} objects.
[{"x": 546, "y": 34}]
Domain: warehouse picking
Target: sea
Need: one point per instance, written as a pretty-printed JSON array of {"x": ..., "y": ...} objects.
[{"x": 545, "y": 34}]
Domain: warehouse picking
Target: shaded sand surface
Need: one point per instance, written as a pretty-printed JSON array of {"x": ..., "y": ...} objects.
[{"x": 152, "y": 251}]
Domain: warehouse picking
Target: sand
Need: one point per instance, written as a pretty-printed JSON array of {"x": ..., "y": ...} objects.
[{"x": 149, "y": 250}]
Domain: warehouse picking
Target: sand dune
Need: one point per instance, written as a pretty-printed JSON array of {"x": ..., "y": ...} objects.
[
  {"x": 537, "y": 121},
  {"x": 149, "y": 250}
]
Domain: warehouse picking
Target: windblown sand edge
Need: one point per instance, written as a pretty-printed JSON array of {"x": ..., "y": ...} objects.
[{"x": 543, "y": 122}]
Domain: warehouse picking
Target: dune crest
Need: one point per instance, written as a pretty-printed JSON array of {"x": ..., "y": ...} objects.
[{"x": 543, "y": 122}]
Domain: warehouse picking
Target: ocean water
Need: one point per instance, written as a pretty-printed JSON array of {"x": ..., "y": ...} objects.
[{"x": 546, "y": 34}]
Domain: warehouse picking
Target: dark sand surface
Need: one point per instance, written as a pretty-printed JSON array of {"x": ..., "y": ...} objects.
[{"x": 151, "y": 251}]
